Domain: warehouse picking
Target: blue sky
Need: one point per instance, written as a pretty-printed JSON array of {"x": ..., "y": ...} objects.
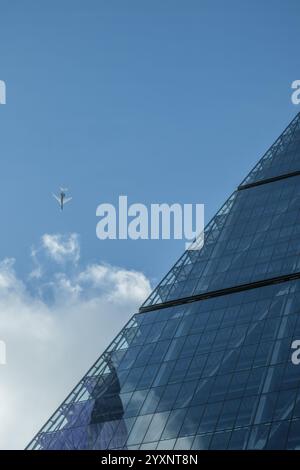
[{"x": 165, "y": 101}]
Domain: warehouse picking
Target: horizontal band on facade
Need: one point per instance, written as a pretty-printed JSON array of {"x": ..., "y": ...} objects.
[
  {"x": 268, "y": 180},
  {"x": 221, "y": 292}
]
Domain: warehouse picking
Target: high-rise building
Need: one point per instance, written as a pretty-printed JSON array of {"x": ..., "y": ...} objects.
[{"x": 207, "y": 361}]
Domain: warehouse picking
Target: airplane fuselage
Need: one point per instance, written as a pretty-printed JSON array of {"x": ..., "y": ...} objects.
[{"x": 62, "y": 196}]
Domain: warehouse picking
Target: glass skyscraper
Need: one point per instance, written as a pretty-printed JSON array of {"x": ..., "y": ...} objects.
[{"x": 206, "y": 362}]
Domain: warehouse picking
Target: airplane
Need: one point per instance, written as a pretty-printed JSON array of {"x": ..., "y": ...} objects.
[{"x": 62, "y": 199}]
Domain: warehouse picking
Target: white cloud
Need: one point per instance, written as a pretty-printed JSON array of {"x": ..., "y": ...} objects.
[
  {"x": 128, "y": 285},
  {"x": 37, "y": 271},
  {"x": 62, "y": 247},
  {"x": 50, "y": 345}
]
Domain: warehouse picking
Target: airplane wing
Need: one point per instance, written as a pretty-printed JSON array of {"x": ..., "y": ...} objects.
[
  {"x": 56, "y": 197},
  {"x": 67, "y": 199}
]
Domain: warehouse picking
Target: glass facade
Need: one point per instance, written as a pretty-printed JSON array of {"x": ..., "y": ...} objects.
[
  {"x": 206, "y": 363},
  {"x": 257, "y": 239},
  {"x": 282, "y": 157}
]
